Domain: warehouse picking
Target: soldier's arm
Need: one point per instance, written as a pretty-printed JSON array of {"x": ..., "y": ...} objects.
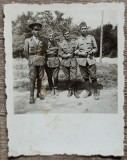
[
  {"x": 52, "y": 52},
  {"x": 56, "y": 48},
  {"x": 95, "y": 48},
  {"x": 44, "y": 44},
  {"x": 53, "y": 48},
  {"x": 61, "y": 53},
  {"x": 26, "y": 48},
  {"x": 76, "y": 48}
]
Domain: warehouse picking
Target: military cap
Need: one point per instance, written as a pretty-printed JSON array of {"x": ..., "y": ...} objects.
[
  {"x": 33, "y": 24},
  {"x": 82, "y": 24}
]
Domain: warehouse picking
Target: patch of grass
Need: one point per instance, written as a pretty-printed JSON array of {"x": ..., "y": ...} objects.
[{"x": 106, "y": 74}]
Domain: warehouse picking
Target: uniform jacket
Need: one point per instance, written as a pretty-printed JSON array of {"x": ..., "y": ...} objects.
[
  {"x": 84, "y": 44},
  {"x": 52, "y": 60},
  {"x": 65, "y": 48},
  {"x": 35, "y": 52}
]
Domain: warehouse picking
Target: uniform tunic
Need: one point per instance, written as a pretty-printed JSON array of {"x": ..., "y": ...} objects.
[
  {"x": 52, "y": 55},
  {"x": 34, "y": 51},
  {"x": 65, "y": 48},
  {"x": 86, "y": 61},
  {"x": 85, "y": 44},
  {"x": 52, "y": 63},
  {"x": 69, "y": 65}
]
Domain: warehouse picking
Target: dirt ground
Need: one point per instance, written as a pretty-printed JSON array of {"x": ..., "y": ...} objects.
[
  {"x": 63, "y": 104},
  {"x": 107, "y": 76}
]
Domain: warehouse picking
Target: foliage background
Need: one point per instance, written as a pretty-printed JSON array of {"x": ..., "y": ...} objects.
[{"x": 56, "y": 22}]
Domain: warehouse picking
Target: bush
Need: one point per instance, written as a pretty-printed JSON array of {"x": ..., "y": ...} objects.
[{"x": 18, "y": 53}]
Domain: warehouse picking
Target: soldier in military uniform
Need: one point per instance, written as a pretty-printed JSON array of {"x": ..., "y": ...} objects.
[
  {"x": 86, "y": 47},
  {"x": 68, "y": 62},
  {"x": 34, "y": 51},
  {"x": 52, "y": 63}
]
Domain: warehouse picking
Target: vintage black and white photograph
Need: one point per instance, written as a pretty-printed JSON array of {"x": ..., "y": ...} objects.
[
  {"x": 65, "y": 61},
  {"x": 64, "y": 72}
]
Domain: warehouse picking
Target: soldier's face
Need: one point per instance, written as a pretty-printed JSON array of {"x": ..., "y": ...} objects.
[
  {"x": 50, "y": 37},
  {"x": 84, "y": 30},
  {"x": 67, "y": 35},
  {"x": 35, "y": 31}
]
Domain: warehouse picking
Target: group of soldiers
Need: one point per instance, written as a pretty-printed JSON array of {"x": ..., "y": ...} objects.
[{"x": 48, "y": 55}]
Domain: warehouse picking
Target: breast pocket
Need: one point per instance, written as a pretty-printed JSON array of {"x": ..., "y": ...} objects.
[
  {"x": 89, "y": 44},
  {"x": 81, "y": 46},
  {"x": 32, "y": 48}
]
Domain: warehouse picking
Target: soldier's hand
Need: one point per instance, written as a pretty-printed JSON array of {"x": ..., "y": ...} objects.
[
  {"x": 76, "y": 52},
  {"x": 82, "y": 54},
  {"x": 90, "y": 52},
  {"x": 69, "y": 55},
  {"x": 53, "y": 48}
]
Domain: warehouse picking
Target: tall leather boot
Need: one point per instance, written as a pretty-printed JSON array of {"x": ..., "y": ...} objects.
[
  {"x": 70, "y": 92},
  {"x": 76, "y": 94},
  {"x": 96, "y": 90},
  {"x": 56, "y": 91},
  {"x": 75, "y": 89},
  {"x": 56, "y": 86},
  {"x": 32, "y": 87},
  {"x": 39, "y": 95},
  {"x": 88, "y": 88},
  {"x": 52, "y": 91}
]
